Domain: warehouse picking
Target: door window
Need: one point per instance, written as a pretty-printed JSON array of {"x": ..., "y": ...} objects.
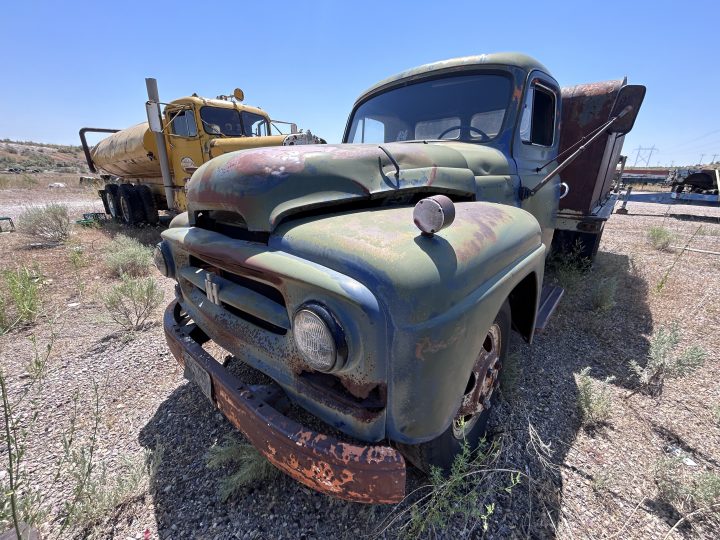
[
  {"x": 537, "y": 125},
  {"x": 183, "y": 123}
]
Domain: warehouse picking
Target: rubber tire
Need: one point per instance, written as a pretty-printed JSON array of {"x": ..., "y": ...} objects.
[
  {"x": 112, "y": 197},
  {"x": 131, "y": 208},
  {"x": 441, "y": 451},
  {"x": 149, "y": 205}
]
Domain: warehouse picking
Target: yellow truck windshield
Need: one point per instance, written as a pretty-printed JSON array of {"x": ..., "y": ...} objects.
[{"x": 232, "y": 123}]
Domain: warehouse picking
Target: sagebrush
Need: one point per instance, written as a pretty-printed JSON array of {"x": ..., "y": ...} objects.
[
  {"x": 659, "y": 238},
  {"x": 132, "y": 301},
  {"x": 603, "y": 293},
  {"x": 50, "y": 222},
  {"x": 466, "y": 494},
  {"x": 127, "y": 256},
  {"x": 594, "y": 399},
  {"x": 683, "y": 488},
  {"x": 664, "y": 361},
  {"x": 250, "y": 467},
  {"x": 21, "y": 296}
]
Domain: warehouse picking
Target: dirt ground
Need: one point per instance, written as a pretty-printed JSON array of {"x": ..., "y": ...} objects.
[{"x": 585, "y": 484}]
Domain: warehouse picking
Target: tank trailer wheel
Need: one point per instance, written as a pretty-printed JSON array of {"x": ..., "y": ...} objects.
[
  {"x": 112, "y": 198},
  {"x": 481, "y": 393},
  {"x": 148, "y": 203},
  {"x": 131, "y": 208}
]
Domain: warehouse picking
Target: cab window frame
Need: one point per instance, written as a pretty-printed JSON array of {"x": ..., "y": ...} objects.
[
  {"x": 172, "y": 116},
  {"x": 531, "y": 100}
]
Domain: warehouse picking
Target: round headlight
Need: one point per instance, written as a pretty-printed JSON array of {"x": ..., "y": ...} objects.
[
  {"x": 318, "y": 337},
  {"x": 162, "y": 257}
]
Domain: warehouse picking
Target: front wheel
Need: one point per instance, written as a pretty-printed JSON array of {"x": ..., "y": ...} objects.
[{"x": 481, "y": 393}]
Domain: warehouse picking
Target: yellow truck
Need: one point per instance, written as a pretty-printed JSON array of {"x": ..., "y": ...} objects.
[{"x": 145, "y": 167}]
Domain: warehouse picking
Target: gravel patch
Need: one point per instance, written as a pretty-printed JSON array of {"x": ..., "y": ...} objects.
[{"x": 584, "y": 484}]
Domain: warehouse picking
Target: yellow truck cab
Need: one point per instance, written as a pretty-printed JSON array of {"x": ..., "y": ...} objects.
[{"x": 194, "y": 130}]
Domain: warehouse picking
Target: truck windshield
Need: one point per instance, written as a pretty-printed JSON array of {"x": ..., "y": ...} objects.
[
  {"x": 462, "y": 107},
  {"x": 232, "y": 123}
]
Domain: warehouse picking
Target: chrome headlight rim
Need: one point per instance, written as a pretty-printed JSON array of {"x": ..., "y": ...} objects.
[{"x": 336, "y": 333}]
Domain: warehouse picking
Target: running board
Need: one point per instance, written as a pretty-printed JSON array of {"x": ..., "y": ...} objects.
[{"x": 549, "y": 299}]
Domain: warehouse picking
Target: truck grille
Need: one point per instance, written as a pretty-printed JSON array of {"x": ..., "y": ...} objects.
[{"x": 253, "y": 301}]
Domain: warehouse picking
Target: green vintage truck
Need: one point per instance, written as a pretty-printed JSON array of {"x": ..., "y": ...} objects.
[{"x": 376, "y": 282}]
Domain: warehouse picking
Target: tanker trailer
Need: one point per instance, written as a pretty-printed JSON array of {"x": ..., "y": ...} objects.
[{"x": 145, "y": 167}]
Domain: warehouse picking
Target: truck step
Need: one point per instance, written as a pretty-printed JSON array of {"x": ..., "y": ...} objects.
[{"x": 549, "y": 299}]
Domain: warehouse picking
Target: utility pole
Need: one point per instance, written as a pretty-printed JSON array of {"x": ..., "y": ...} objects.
[
  {"x": 701, "y": 158},
  {"x": 650, "y": 155},
  {"x": 637, "y": 156},
  {"x": 713, "y": 159},
  {"x": 644, "y": 155}
]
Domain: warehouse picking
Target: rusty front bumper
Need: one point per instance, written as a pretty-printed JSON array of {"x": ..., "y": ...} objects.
[{"x": 368, "y": 474}]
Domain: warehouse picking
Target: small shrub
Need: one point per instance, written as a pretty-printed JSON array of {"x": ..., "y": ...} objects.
[
  {"x": 37, "y": 366},
  {"x": 664, "y": 361},
  {"x": 659, "y": 238},
  {"x": 603, "y": 294},
  {"x": 602, "y": 481},
  {"x": 705, "y": 490},
  {"x": 716, "y": 415},
  {"x": 77, "y": 258},
  {"x": 679, "y": 487},
  {"x": 667, "y": 476},
  {"x": 23, "y": 288},
  {"x": 127, "y": 256},
  {"x": 465, "y": 493},
  {"x": 4, "y": 315},
  {"x": 50, "y": 222},
  {"x": 594, "y": 399},
  {"x": 570, "y": 267},
  {"x": 252, "y": 467},
  {"x": 131, "y": 302}
]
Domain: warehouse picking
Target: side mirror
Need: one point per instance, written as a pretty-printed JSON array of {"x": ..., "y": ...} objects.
[
  {"x": 213, "y": 129},
  {"x": 627, "y": 105}
]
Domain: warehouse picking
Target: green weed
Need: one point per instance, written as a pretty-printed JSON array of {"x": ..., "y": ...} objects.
[{"x": 251, "y": 467}]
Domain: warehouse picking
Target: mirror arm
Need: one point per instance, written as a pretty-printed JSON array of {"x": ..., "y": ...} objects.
[{"x": 526, "y": 193}]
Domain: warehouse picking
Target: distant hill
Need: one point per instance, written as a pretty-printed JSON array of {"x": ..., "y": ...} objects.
[{"x": 32, "y": 157}]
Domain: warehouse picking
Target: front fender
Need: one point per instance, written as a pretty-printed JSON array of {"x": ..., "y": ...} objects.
[{"x": 439, "y": 294}]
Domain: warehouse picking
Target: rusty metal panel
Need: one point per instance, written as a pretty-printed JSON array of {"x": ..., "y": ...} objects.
[
  {"x": 584, "y": 108},
  {"x": 367, "y": 474}
]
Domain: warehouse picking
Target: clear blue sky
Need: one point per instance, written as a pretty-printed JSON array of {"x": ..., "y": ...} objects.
[{"x": 71, "y": 64}]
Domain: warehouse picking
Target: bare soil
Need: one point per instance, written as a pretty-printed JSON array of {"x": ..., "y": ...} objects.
[{"x": 597, "y": 484}]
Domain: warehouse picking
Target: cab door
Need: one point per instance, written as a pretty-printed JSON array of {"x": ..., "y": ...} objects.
[
  {"x": 536, "y": 143},
  {"x": 185, "y": 150}
]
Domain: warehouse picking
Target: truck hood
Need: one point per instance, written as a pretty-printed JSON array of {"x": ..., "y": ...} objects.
[{"x": 265, "y": 185}]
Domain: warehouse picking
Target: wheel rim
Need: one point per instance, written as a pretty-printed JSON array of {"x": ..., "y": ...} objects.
[
  {"x": 111, "y": 205},
  {"x": 125, "y": 208},
  {"x": 484, "y": 379}
]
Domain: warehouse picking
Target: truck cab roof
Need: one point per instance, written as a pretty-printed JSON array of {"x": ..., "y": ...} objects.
[
  {"x": 519, "y": 60},
  {"x": 199, "y": 101}
]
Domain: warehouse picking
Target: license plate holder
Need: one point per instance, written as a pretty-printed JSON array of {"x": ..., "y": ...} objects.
[{"x": 194, "y": 372}]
